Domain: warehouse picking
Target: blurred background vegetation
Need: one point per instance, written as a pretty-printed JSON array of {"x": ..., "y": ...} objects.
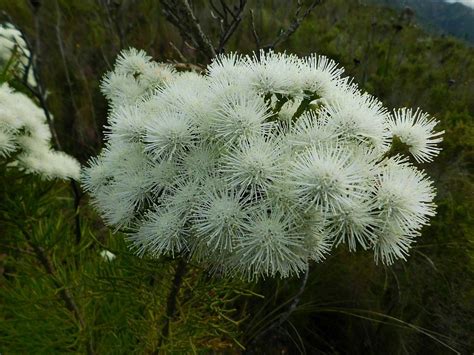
[{"x": 58, "y": 294}]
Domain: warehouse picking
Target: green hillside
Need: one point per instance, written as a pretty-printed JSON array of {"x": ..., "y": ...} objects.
[{"x": 453, "y": 19}]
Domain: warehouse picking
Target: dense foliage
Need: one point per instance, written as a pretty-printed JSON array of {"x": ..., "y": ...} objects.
[{"x": 348, "y": 305}]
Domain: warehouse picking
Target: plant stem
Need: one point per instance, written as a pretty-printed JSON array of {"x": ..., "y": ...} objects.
[
  {"x": 39, "y": 92},
  {"x": 286, "y": 315},
  {"x": 304, "y": 105},
  {"x": 77, "y": 217},
  {"x": 171, "y": 302}
]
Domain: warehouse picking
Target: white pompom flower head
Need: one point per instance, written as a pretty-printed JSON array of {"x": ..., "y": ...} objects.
[
  {"x": 259, "y": 165},
  {"x": 416, "y": 130}
]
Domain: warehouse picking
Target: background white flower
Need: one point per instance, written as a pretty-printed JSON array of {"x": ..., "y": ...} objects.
[
  {"x": 14, "y": 50},
  {"x": 25, "y": 138},
  {"x": 107, "y": 255}
]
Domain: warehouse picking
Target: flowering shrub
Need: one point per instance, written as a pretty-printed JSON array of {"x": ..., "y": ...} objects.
[
  {"x": 25, "y": 137},
  {"x": 259, "y": 165}
]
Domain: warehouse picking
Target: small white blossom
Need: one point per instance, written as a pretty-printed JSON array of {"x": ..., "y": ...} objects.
[
  {"x": 416, "y": 129},
  {"x": 163, "y": 175},
  {"x": 271, "y": 245},
  {"x": 230, "y": 69},
  {"x": 97, "y": 177},
  {"x": 317, "y": 241},
  {"x": 353, "y": 223},
  {"x": 404, "y": 204},
  {"x": 162, "y": 232},
  {"x": 132, "y": 62},
  {"x": 135, "y": 77},
  {"x": 107, "y": 255},
  {"x": 404, "y": 196},
  {"x": 219, "y": 219},
  {"x": 199, "y": 163},
  {"x": 183, "y": 198},
  {"x": 393, "y": 243},
  {"x": 239, "y": 117},
  {"x": 7, "y": 142},
  {"x": 321, "y": 74},
  {"x": 310, "y": 130},
  {"x": 116, "y": 213},
  {"x": 275, "y": 73},
  {"x": 121, "y": 89},
  {"x": 169, "y": 134},
  {"x": 324, "y": 176},
  {"x": 363, "y": 122},
  {"x": 253, "y": 164},
  {"x": 127, "y": 123}
]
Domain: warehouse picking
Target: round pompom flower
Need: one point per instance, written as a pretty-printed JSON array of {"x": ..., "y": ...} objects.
[
  {"x": 7, "y": 143},
  {"x": 270, "y": 246},
  {"x": 253, "y": 164},
  {"x": 353, "y": 224},
  {"x": 167, "y": 134},
  {"x": 404, "y": 201},
  {"x": 220, "y": 219},
  {"x": 325, "y": 177},
  {"x": 404, "y": 195},
  {"x": 416, "y": 129},
  {"x": 162, "y": 232},
  {"x": 239, "y": 117}
]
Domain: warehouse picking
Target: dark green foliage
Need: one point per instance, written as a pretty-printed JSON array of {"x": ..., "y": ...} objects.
[
  {"x": 120, "y": 303},
  {"x": 349, "y": 304}
]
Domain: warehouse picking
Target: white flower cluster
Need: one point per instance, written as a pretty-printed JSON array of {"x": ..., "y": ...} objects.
[
  {"x": 259, "y": 165},
  {"x": 14, "y": 51},
  {"x": 25, "y": 137}
]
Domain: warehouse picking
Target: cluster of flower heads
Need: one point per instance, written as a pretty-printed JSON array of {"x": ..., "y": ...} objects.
[
  {"x": 259, "y": 165},
  {"x": 25, "y": 138},
  {"x": 14, "y": 53}
]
